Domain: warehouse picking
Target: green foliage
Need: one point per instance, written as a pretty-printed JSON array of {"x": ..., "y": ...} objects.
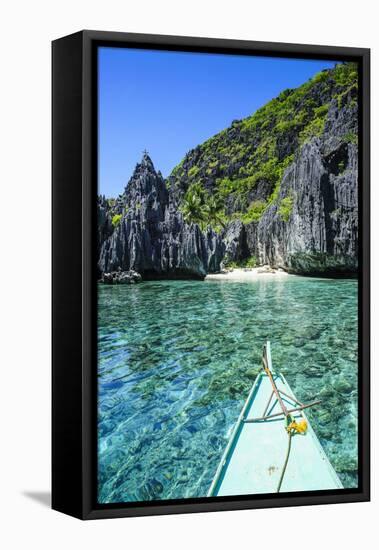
[
  {"x": 254, "y": 212},
  {"x": 314, "y": 128},
  {"x": 269, "y": 171},
  {"x": 251, "y": 262},
  {"x": 192, "y": 172},
  {"x": 284, "y": 94},
  {"x": 320, "y": 77},
  {"x": 286, "y": 125},
  {"x": 321, "y": 111},
  {"x": 200, "y": 207},
  {"x": 192, "y": 204},
  {"x": 346, "y": 77},
  {"x": 346, "y": 74},
  {"x": 257, "y": 150},
  {"x": 116, "y": 219},
  {"x": 345, "y": 96},
  {"x": 212, "y": 211},
  {"x": 350, "y": 137},
  {"x": 275, "y": 194},
  {"x": 246, "y": 263},
  {"x": 273, "y": 198},
  {"x": 285, "y": 208}
]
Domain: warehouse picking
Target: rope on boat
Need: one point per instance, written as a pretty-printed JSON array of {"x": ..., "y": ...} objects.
[
  {"x": 285, "y": 462},
  {"x": 292, "y": 426}
]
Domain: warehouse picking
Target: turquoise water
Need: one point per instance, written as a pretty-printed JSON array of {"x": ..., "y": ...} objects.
[{"x": 177, "y": 360}]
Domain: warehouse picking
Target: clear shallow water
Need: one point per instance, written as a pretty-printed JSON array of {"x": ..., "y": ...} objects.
[{"x": 177, "y": 360}]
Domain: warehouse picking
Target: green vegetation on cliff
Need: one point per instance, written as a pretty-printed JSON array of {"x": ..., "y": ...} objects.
[
  {"x": 116, "y": 219},
  {"x": 285, "y": 208},
  {"x": 237, "y": 173}
]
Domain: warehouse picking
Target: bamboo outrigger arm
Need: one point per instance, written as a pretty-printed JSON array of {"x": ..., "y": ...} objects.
[{"x": 300, "y": 408}]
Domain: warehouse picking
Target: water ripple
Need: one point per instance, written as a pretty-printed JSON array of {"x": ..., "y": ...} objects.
[{"x": 177, "y": 359}]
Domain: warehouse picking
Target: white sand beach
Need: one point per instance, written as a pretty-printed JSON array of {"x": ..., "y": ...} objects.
[{"x": 248, "y": 274}]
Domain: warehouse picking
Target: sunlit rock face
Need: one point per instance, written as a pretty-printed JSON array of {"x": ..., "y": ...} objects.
[{"x": 321, "y": 232}]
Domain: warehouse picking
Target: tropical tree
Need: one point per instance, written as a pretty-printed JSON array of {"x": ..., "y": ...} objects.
[
  {"x": 192, "y": 206},
  {"x": 201, "y": 208},
  {"x": 211, "y": 210}
]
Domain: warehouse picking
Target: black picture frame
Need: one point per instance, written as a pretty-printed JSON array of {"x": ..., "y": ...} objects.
[{"x": 74, "y": 173}]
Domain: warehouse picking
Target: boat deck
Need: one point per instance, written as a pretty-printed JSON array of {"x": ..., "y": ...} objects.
[{"x": 253, "y": 459}]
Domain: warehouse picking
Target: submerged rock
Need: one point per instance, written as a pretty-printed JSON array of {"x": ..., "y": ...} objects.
[{"x": 343, "y": 386}]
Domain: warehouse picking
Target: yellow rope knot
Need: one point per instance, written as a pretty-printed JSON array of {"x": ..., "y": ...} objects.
[{"x": 297, "y": 427}]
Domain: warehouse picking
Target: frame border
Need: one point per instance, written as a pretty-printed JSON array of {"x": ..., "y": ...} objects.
[{"x": 75, "y": 479}]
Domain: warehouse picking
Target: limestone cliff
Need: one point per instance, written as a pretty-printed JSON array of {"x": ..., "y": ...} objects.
[
  {"x": 149, "y": 233},
  {"x": 280, "y": 187}
]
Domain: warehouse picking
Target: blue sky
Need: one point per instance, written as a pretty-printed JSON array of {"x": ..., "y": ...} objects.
[{"x": 169, "y": 102}]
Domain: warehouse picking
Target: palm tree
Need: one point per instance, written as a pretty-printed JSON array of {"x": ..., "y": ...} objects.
[
  {"x": 201, "y": 208},
  {"x": 212, "y": 211},
  {"x": 192, "y": 206}
]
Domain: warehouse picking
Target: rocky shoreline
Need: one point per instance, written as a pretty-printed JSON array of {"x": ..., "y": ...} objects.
[{"x": 121, "y": 278}]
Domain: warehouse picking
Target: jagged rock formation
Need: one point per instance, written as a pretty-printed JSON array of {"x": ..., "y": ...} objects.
[
  {"x": 151, "y": 236},
  {"x": 284, "y": 186},
  {"x": 235, "y": 239},
  {"x": 104, "y": 220},
  {"x": 320, "y": 235}
]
